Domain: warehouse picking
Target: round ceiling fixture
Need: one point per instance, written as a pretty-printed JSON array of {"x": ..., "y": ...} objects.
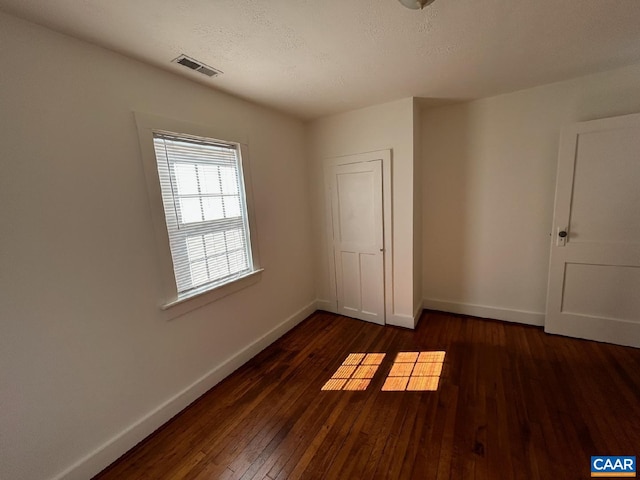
[{"x": 416, "y": 4}]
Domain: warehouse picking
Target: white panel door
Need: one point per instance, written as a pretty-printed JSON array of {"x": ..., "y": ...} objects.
[
  {"x": 358, "y": 241},
  {"x": 594, "y": 276}
]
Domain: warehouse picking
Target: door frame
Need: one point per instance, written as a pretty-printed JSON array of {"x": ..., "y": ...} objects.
[{"x": 387, "y": 221}]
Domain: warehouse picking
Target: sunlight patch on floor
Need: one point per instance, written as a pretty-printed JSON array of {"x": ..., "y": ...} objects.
[
  {"x": 415, "y": 371},
  {"x": 356, "y": 372}
]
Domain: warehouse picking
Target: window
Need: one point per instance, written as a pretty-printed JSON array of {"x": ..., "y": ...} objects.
[
  {"x": 205, "y": 210},
  {"x": 201, "y": 209}
]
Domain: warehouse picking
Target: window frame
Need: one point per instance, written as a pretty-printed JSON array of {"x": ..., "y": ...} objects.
[{"x": 147, "y": 125}]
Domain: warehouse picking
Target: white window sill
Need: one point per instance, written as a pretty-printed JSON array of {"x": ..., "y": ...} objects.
[{"x": 197, "y": 299}]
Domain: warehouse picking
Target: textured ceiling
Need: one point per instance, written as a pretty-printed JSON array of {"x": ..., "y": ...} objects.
[{"x": 316, "y": 57}]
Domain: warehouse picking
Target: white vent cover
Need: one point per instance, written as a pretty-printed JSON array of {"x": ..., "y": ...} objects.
[{"x": 194, "y": 64}]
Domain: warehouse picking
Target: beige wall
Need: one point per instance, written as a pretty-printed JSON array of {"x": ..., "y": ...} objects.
[
  {"x": 489, "y": 171},
  {"x": 386, "y": 126},
  {"x": 85, "y": 353}
]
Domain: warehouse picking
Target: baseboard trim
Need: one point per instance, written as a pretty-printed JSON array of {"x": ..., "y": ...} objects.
[
  {"x": 396, "y": 319},
  {"x": 110, "y": 451},
  {"x": 482, "y": 311},
  {"x": 406, "y": 321},
  {"x": 400, "y": 320},
  {"x": 327, "y": 305},
  {"x": 417, "y": 314}
]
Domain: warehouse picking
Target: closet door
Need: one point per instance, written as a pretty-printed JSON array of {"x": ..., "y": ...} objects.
[{"x": 358, "y": 240}]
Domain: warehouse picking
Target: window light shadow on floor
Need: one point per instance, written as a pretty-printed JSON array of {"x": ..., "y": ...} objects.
[
  {"x": 415, "y": 371},
  {"x": 411, "y": 372},
  {"x": 356, "y": 372}
]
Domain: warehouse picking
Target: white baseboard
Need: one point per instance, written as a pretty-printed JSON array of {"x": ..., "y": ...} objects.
[
  {"x": 396, "y": 319},
  {"x": 482, "y": 311},
  {"x": 400, "y": 320},
  {"x": 405, "y": 321},
  {"x": 327, "y": 305},
  {"x": 417, "y": 314},
  {"x": 104, "y": 455}
]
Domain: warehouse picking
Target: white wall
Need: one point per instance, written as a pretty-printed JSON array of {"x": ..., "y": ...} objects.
[
  {"x": 417, "y": 211},
  {"x": 84, "y": 351},
  {"x": 387, "y": 126},
  {"x": 489, "y": 171}
]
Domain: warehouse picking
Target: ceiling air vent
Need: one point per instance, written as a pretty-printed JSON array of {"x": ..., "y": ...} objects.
[{"x": 197, "y": 66}]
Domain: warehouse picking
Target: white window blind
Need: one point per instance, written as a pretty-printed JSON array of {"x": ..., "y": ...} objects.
[{"x": 205, "y": 210}]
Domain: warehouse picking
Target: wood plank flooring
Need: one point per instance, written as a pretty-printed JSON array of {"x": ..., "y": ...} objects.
[{"x": 512, "y": 403}]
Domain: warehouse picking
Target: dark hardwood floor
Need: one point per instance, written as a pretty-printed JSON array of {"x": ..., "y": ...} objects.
[{"x": 512, "y": 403}]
